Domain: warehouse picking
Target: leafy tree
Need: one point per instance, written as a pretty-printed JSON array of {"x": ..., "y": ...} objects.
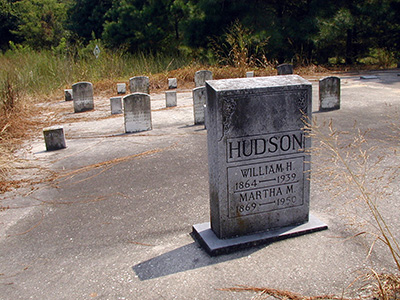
[
  {"x": 40, "y": 22},
  {"x": 8, "y": 23},
  {"x": 87, "y": 17},
  {"x": 143, "y": 25}
]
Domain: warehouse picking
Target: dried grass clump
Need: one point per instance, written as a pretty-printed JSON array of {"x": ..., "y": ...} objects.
[{"x": 264, "y": 293}]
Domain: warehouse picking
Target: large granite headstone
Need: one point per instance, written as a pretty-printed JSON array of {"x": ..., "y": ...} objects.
[
  {"x": 285, "y": 69},
  {"x": 139, "y": 84},
  {"x": 83, "y": 96},
  {"x": 258, "y": 162},
  {"x": 329, "y": 93},
  {"x": 199, "y": 101},
  {"x": 200, "y": 77},
  {"x": 137, "y": 112}
]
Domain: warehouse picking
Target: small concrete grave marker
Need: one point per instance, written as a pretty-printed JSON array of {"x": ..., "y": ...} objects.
[
  {"x": 170, "y": 98},
  {"x": 116, "y": 105},
  {"x": 68, "y": 95},
  {"x": 201, "y": 76},
  {"x": 250, "y": 74},
  {"x": 54, "y": 138},
  {"x": 139, "y": 84},
  {"x": 83, "y": 96},
  {"x": 329, "y": 93},
  {"x": 121, "y": 88},
  {"x": 285, "y": 69},
  {"x": 199, "y": 101},
  {"x": 137, "y": 112},
  {"x": 172, "y": 83},
  {"x": 369, "y": 77},
  {"x": 258, "y": 162}
]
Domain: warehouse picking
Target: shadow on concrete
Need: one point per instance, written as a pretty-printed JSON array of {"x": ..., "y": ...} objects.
[{"x": 185, "y": 258}]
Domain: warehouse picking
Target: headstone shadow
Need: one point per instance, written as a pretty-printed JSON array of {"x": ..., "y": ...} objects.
[{"x": 185, "y": 258}]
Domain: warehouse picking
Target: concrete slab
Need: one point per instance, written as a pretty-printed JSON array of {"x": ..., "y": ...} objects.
[{"x": 115, "y": 221}]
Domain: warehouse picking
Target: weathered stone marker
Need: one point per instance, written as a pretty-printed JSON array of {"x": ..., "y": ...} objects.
[
  {"x": 199, "y": 101},
  {"x": 54, "y": 138},
  {"x": 170, "y": 99},
  {"x": 137, "y": 112},
  {"x": 139, "y": 84},
  {"x": 83, "y": 96},
  {"x": 329, "y": 93},
  {"x": 285, "y": 69},
  {"x": 116, "y": 105},
  {"x": 200, "y": 77},
  {"x": 68, "y": 95},
  {"x": 172, "y": 83},
  {"x": 258, "y": 162},
  {"x": 121, "y": 88},
  {"x": 250, "y": 74}
]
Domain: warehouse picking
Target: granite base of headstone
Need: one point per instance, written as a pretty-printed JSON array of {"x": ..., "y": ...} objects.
[
  {"x": 250, "y": 74},
  {"x": 329, "y": 93},
  {"x": 116, "y": 105},
  {"x": 139, "y": 84},
  {"x": 54, "y": 138},
  {"x": 369, "y": 77},
  {"x": 68, "y": 95},
  {"x": 172, "y": 83},
  {"x": 199, "y": 101},
  {"x": 258, "y": 158},
  {"x": 285, "y": 69},
  {"x": 83, "y": 96},
  {"x": 200, "y": 77},
  {"x": 170, "y": 99},
  {"x": 137, "y": 112},
  {"x": 121, "y": 88}
]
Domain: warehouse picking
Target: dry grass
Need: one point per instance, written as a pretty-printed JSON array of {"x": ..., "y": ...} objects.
[{"x": 264, "y": 293}]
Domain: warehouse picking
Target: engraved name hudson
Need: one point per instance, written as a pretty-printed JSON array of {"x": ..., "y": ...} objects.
[{"x": 267, "y": 145}]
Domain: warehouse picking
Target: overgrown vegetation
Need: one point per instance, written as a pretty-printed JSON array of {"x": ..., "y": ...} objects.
[{"x": 302, "y": 32}]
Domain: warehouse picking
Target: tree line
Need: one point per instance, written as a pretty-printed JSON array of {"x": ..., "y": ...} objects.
[{"x": 250, "y": 31}]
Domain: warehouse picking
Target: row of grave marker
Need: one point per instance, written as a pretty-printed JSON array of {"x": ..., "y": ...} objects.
[{"x": 257, "y": 156}]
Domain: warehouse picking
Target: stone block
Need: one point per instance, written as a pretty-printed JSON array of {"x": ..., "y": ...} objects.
[
  {"x": 258, "y": 158},
  {"x": 54, "y": 138},
  {"x": 201, "y": 76},
  {"x": 68, "y": 95},
  {"x": 83, "y": 96},
  {"x": 170, "y": 98},
  {"x": 199, "y": 101},
  {"x": 172, "y": 83},
  {"x": 250, "y": 74},
  {"x": 139, "y": 84},
  {"x": 329, "y": 93},
  {"x": 121, "y": 88},
  {"x": 116, "y": 105},
  {"x": 137, "y": 112},
  {"x": 285, "y": 69}
]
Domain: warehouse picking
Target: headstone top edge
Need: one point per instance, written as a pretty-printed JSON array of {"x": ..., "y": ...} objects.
[
  {"x": 141, "y": 76},
  {"x": 136, "y": 94},
  {"x": 55, "y": 127},
  {"x": 81, "y": 82},
  {"x": 257, "y": 82},
  {"x": 327, "y": 77},
  {"x": 199, "y": 88}
]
